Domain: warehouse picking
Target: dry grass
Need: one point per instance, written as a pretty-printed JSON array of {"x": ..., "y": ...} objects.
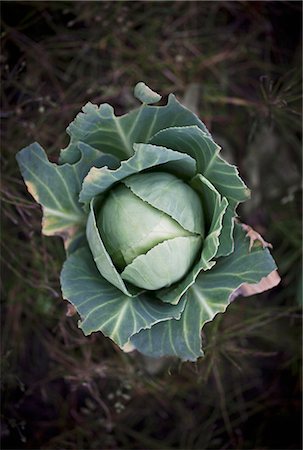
[{"x": 63, "y": 390}]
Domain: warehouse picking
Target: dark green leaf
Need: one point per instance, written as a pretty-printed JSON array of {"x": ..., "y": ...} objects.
[
  {"x": 104, "y": 308},
  {"x": 100, "y": 128}
]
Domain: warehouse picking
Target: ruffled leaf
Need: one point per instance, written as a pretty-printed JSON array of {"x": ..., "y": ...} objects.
[
  {"x": 225, "y": 177},
  {"x": 210, "y": 295},
  {"x": 57, "y": 188},
  {"x": 54, "y": 187},
  {"x": 146, "y": 156},
  {"x": 104, "y": 308},
  {"x": 100, "y": 128},
  {"x": 191, "y": 140}
]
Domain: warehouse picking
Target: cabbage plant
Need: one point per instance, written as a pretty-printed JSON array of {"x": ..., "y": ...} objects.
[{"x": 147, "y": 210}]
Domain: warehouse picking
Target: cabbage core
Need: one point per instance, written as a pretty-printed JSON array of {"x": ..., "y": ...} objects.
[{"x": 152, "y": 227}]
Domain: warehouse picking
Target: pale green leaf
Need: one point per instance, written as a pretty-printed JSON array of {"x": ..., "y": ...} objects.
[
  {"x": 130, "y": 227},
  {"x": 209, "y": 296},
  {"x": 104, "y": 308},
  {"x": 145, "y": 94},
  {"x": 101, "y": 257},
  {"x": 170, "y": 195},
  {"x": 164, "y": 264},
  {"x": 146, "y": 156}
]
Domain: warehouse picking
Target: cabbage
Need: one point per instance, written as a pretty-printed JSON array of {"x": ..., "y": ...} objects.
[{"x": 146, "y": 207}]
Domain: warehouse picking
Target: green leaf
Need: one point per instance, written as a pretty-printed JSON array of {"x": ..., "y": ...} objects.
[
  {"x": 225, "y": 177},
  {"x": 209, "y": 295},
  {"x": 104, "y": 308},
  {"x": 171, "y": 195},
  {"x": 77, "y": 241},
  {"x": 145, "y": 94},
  {"x": 174, "y": 337},
  {"x": 90, "y": 157},
  {"x": 226, "y": 245},
  {"x": 146, "y": 156},
  {"x": 214, "y": 208},
  {"x": 100, "y": 128},
  {"x": 101, "y": 257},
  {"x": 164, "y": 264},
  {"x": 130, "y": 227},
  {"x": 57, "y": 188},
  {"x": 191, "y": 140}
]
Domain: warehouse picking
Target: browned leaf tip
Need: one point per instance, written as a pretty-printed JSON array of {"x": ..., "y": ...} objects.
[
  {"x": 68, "y": 235},
  {"x": 266, "y": 283},
  {"x": 254, "y": 236},
  {"x": 128, "y": 347},
  {"x": 71, "y": 310}
]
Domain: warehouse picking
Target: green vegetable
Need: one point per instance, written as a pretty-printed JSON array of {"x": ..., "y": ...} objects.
[
  {"x": 146, "y": 208},
  {"x": 151, "y": 238}
]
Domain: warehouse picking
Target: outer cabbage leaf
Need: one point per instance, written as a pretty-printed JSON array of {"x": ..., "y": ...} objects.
[
  {"x": 209, "y": 295},
  {"x": 225, "y": 177},
  {"x": 103, "y": 307},
  {"x": 190, "y": 140},
  {"x": 57, "y": 188},
  {"x": 100, "y": 128}
]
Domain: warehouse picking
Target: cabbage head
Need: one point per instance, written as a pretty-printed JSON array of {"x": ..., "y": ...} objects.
[{"x": 146, "y": 207}]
